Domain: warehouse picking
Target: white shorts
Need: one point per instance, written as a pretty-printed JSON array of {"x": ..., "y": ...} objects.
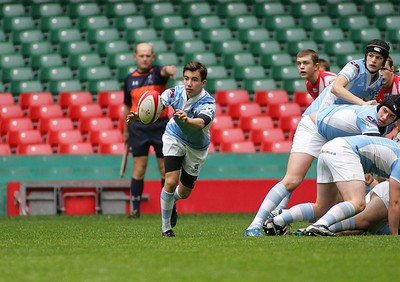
[
  {"x": 338, "y": 162},
  {"x": 194, "y": 159},
  {"x": 382, "y": 191},
  {"x": 307, "y": 139}
]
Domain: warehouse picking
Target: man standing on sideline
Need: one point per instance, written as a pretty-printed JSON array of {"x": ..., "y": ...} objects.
[
  {"x": 186, "y": 138},
  {"x": 139, "y": 136},
  {"x": 309, "y": 68}
]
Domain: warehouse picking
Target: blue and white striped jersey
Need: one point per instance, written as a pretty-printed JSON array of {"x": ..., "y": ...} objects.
[
  {"x": 359, "y": 84},
  {"x": 347, "y": 120},
  {"x": 203, "y": 103},
  {"x": 377, "y": 154}
]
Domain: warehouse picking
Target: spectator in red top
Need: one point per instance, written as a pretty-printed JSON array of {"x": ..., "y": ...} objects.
[
  {"x": 324, "y": 65},
  {"x": 308, "y": 67},
  {"x": 391, "y": 81},
  {"x": 391, "y": 86}
]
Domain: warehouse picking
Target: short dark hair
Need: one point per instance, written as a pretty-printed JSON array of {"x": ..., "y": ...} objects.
[
  {"x": 194, "y": 66},
  {"x": 324, "y": 63}
]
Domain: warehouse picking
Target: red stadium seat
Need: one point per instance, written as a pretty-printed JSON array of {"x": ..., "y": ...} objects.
[
  {"x": 228, "y": 97},
  {"x": 116, "y": 112},
  {"x": 105, "y": 136},
  {"x": 34, "y": 149},
  {"x": 221, "y": 122},
  {"x": 29, "y": 99},
  {"x": 227, "y": 135},
  {"x": 77, "y": 112},
  {"x": 303, "y": 98},
  {"x": 269, "y": 97},
  {"x": 55, "y": 124},
  {"x": 112, "y": 148},
  {"x": 39, "y": 112},
  {"x": 238, "y": 147},
  {"x": 89, "y": 124},
  {"x": 277, "y": 146},
  {"x": 16, "y": 124},
  {"x": 277, "y": 111},
  {"x": 259, "y": 136},
  {"x": 75, "y": 148},
  {"x": 238, "y": 111},
  {"x": 55, "y": 138},
  {"x": 5, "y": 149},
  {"x": 106, "y": 98},
  {"x": 6, "y": 99},
  {"x": 67, "y": 99},
  {"x": 289, "y": 123},
  {"x": 10, "y": 111},
  {"x": 16, "y": 138},
  {"x": 255, "y": 122}
]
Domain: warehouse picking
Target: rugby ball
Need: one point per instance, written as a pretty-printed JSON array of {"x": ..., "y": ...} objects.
[{"x": 150, "y": 107}]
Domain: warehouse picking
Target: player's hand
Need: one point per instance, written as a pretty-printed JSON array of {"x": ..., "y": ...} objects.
[
  {"x": 371, "y": 102},
  {"x": 131, "y": 117},
  {"x": 171, "y": 71},
  {"x": 181, "y": 115}
]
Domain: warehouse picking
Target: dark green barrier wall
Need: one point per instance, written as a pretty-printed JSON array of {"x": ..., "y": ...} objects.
[{"x": 106, "y": 167}]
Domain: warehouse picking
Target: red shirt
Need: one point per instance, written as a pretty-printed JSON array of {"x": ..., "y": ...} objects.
[
  {"x": 393, "y": 89},
  {"x": 137, "y": 83},
  {"x": 323, "y": 80}
]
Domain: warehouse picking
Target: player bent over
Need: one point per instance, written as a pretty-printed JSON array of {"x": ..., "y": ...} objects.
[
  {"x": 186, "y": 138},
  {"x": 342, "y": 164},
  {"x": 357, "y": 83}
]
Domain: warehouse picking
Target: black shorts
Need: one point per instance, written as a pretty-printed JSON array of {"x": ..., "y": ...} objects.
[{"x": 142, "y": 136}]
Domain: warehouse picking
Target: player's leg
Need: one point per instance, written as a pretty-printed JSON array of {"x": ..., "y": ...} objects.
[
  {"x": 298, "y": 165},
  {"x": 326, "y": 195},
  {"x": 155, "y": 136},
  {"x": 139, "y": 145},
  {"x": 353, "y": 193},
  {"x": 137, "y": 184}
]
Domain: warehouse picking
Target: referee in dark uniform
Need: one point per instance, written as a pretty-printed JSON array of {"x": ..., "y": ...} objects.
[{"x": 140, "y": 136}]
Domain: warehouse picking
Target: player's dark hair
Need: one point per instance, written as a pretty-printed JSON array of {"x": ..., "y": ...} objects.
[
  {"x": 194, "y": 66},
  {"x": 325, "y": 63},
  {"x": 378, "y": 46}
]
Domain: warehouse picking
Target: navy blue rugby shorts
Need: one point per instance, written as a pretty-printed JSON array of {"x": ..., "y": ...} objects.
[{"x": 142, "y": 136}]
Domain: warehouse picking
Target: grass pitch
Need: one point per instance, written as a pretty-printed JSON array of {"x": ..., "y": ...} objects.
[{"x": 208, "y": 247}]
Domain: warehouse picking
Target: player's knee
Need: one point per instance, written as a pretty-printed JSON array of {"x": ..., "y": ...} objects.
[
  {"x": 359, "y": 205},
  {"x": 291, "y": 182}
]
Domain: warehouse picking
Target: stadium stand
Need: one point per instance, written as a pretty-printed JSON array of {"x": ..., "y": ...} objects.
[{"x": 86, "y": 47}]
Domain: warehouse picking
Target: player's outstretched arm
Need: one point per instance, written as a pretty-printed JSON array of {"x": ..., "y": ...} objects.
[{"x": 339, "y": 89}]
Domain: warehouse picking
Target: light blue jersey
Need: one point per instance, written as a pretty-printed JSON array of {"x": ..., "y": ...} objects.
[
  {"x": 378, "y": 155},
  {"x": 347, "y": 120},
  {"x": 203, "y": 104},
  {"x": 360, "y": 84}
]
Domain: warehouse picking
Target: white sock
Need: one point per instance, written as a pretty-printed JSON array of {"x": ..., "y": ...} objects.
[
  {"x": 336, "y": 213},
  {"x": 271, "y": 201},
  {"x": 301, "y": 212},
  {"x": 167, "y": 203}
]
